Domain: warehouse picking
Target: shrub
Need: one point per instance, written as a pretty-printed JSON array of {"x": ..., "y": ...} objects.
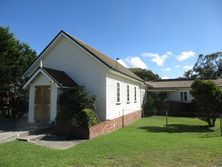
[
  {"x": 76, "y": 107},
  {"x": 149, "y": 108},
  {"x": 86, "y": 118}
]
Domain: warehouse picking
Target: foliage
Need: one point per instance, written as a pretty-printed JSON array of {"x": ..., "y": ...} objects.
[
  {"x": 208, "y": 66},
  {"x": 76, "y": 108},
  {"x": 150, "y": 108},
  {"x": 89, "y": 117},
  {"x": 14, "y": 59},
  {"x": 146, "y": 75},
  {"x": 207, "y": 100}
]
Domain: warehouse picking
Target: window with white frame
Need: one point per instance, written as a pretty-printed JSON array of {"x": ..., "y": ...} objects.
[
  {"x": 118, "y": 92},
  {"x": 183, "y": 96},
  {"x": 128, "y": 93},
  {"x": 134, "y": 94}
]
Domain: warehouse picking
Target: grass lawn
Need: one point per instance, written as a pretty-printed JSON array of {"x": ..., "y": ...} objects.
[{"x": 147, "y": 142}]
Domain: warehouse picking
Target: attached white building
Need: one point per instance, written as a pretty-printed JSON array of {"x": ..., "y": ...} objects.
[
  {"x": 178, "y": 89},
  {"x": 67, "y": 61}
]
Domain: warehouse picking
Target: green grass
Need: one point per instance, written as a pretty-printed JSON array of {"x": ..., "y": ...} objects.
[{"x": 147, "y": 142}]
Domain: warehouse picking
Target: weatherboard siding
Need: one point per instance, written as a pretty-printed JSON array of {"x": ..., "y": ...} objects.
[
  {"x": 115, "y": 110},
  {"x": 175, "y": 96},
  {"x": 81, "y": 67}
]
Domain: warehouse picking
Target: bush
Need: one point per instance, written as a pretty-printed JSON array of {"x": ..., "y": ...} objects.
[
  {"x": 149, "y": 108},
  {"x": 76, "y": 107},
  {"x": 86, "y": 118}
]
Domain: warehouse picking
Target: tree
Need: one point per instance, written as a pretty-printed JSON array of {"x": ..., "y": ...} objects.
[
  {"x": 207, "y": 100},
  {"x": 208, "y": 66},
  {"x": 146, "y": 75},
  {"x": 15, "y": 57}
]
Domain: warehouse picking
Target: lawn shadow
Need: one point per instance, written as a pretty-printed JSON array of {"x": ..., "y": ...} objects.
[
  {"x": 177, "y": 128},
  {"x": 56, "y": 138}
]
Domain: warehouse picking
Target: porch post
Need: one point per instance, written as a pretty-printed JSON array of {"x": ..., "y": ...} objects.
[
  {"x": 31, "y": 104},
  {"x": 53, "y": 101}
]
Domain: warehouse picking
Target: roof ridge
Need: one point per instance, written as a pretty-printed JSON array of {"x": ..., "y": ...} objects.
[{"x": 81, "y": 43}]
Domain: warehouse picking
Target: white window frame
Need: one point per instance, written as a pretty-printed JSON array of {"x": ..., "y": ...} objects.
[
  {"x": 127, "y": 94},
  {"x": 117, "y": 93},
  {"x": 183, "y": 96},
  {"x": 135, "y": 97}
]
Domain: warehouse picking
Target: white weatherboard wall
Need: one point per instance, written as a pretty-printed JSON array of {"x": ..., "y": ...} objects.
[
  {"x": 41, "y": 80},
  {"x": 81, "y": 67},
  {"x": 175, "y": 96},
  {"x": 115, "y": 110}
]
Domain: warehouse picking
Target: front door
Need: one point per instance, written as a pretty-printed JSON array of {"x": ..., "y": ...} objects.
[{"x": 42, "y": 103}]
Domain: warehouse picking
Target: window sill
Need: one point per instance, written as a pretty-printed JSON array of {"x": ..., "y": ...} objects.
[{"x": 118, "y": 103}]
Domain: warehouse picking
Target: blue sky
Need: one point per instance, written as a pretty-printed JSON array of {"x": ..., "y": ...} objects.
[{"x": 165, "y": 36}]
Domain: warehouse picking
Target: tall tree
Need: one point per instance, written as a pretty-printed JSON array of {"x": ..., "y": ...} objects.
[
  {"x": 15, "y": 56},
  {"x": 207, "y": 100},
  {"x": 146, "y": 75},
  {"x": 208, "y": 66}
]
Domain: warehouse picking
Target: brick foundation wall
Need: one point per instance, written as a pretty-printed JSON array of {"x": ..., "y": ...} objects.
[{"x": 112, "y": 125}]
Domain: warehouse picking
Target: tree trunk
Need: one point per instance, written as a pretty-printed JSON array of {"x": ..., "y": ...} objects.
[{"x": 211, "y": 122}]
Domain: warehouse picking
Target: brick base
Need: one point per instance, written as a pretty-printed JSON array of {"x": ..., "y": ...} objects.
[{"x": 112, "y": 125}]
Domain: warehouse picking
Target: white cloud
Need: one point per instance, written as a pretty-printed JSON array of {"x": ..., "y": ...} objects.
[
  {"x": 166, "y": 69},
  {"x": 177, "y": 66},
  {"x": 185, "y": 55},
  {"x": 135, "y": 62},
  {"x": 122, "y": 63},
  {"x": 165, "y": 77},
  {"x": 188, "y": 67},
  {"x": 156, "y": 58}
]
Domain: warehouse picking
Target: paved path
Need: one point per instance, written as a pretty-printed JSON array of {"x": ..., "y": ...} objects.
[
  {"x": 10, "y": 135},
  {"x": 9, "y": 129},
  {"x": 57, "y": 142}
]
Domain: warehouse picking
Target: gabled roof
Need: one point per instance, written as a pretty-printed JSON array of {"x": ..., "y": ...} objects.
[
  {"x": 107, "y": 61},
  {"x": 175, "y": 83},
  {"x": 59, "y": 77}
]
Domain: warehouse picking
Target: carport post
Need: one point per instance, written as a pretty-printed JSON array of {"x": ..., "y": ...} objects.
[
  {"x": 221, "y": 123},
  {"x": 166, "y": 108}
]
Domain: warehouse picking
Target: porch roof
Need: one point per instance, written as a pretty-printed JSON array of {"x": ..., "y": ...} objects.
[{"x": 59, "y": 77}]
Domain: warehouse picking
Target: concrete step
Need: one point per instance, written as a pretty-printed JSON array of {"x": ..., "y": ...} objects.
[
  {"x": 29, "y": 138},
  {"x": 22, "y": 134}
]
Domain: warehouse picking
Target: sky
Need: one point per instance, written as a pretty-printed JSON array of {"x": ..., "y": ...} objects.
[{"x": 165, "y": 36}]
